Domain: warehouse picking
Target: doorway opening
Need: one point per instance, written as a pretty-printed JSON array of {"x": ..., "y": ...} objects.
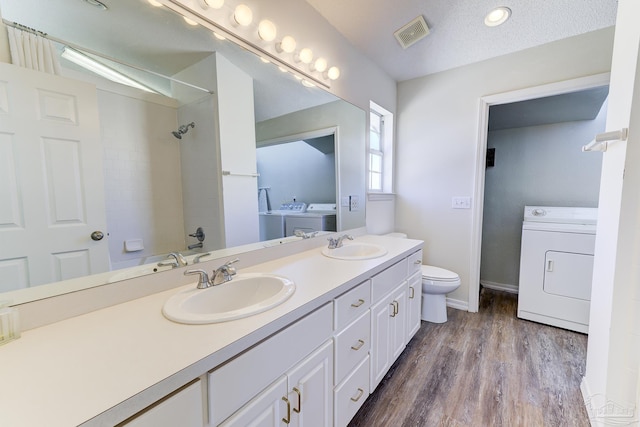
[{"x": 536, "y": 137}]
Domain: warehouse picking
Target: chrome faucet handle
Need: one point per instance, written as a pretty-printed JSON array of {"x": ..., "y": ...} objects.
[
  {"x": 173, "y": 264},
  {"x": 203, "y": 280},
  {"x": 180, "y": 260},
  {"x": 197, "y": 258},
  {"x": 224, "y": 273}
]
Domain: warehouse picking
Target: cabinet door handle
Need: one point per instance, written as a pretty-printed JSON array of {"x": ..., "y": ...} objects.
[
  {"x": 396, "y": 307},
  {"x": 358, "y": 346},
  {"x": 393, "y": 309},
  {"x": 413, "y": 292},
  {"x": 288, "y": 419},
  {"x": 358, "y": 304},
  {"x": 360, "y": 393},
  {"x": 296, "y": 391}
]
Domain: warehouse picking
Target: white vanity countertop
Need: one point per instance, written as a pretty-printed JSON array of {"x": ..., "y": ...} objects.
[{"x": 71, "y": 372}]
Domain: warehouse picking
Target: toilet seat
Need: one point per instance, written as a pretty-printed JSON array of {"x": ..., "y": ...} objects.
[{"x": 438, "y": 274}]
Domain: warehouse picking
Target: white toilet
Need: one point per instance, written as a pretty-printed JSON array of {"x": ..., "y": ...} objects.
[{"x": 436, "y": 283}]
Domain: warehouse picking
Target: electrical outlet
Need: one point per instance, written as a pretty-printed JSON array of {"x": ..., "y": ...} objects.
[
  {"x": 461, "y": 202},
  {"x": 354, "y": 203},
  {"x": 344, "y": 201}
]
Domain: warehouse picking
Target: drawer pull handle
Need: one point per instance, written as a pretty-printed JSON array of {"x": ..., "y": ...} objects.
[
  {"x": 396, "y": 307},
  {"x": 393, "y": 309},
  {"x": 295, "y": 389},
  {"x": 288, "y": 419},
  {"x": 358, "y": 304},
  {"x": 413, "y": 292},
  {"x": 357, "y": 347},
  {"x": 360, "y": 393}
]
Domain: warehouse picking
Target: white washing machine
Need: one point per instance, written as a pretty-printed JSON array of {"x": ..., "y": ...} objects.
[
  {"x": 273, "y": 223},
  {"x": 317, "y": 217},
  {"x": 556, "y": 266}
]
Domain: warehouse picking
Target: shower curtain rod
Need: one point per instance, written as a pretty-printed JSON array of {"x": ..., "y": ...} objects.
[{"x": 100, "y": 55}]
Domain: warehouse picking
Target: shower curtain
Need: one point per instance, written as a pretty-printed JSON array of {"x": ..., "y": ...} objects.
[{"x": 32, "y": 51}]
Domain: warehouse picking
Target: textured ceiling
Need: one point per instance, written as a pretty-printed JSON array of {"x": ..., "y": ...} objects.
[{"x": 458, "y": 35}]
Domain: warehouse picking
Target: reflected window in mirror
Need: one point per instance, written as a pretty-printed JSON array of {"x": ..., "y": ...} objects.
[{"x": 380, "y": 151}]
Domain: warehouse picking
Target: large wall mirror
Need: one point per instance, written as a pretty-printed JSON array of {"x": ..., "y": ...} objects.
[{"x": 212, "y": 134}]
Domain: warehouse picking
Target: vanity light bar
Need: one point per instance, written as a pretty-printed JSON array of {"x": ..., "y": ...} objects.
[{"x": 194, "y": 10}]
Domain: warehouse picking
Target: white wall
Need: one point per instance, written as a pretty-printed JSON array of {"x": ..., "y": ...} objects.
[
  {"x": 536, "y": 165},
  {"x": 438, "y": 136},
  {"x": 142, "y": 176},
  {"x": 297, "y": 170},
  {"x": 350, "y": 147}
]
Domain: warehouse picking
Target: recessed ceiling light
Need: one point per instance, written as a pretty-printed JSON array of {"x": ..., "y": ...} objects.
[{"x": 497, "y": 16}]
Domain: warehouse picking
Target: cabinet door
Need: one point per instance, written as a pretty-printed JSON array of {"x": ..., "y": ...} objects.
[
  {"x": 311, "y": 389},
  {"x": 380, "y": 339},
  {"x": 267, "y": 409},
  {"x": 399, "y": 322},
  {"x": 184, "y": 408},
  {"x": 414, "y": 300}
]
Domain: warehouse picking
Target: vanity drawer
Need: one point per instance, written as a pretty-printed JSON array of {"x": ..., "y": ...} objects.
[
  {"x": 352, "y": 304},
  {"x": 415, "y": 262},
  {"x": 387, "y": 280},
  {"x": 352, "y": 345},
  {"x": 351, "y": 394}
]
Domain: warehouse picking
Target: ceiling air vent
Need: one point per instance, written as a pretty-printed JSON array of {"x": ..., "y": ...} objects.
[{"x": 413, "y": 32}]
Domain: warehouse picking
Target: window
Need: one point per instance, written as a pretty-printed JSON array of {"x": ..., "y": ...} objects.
[
  {"x": 376, "y": 154},
  {"x": 379, "y": 156}
]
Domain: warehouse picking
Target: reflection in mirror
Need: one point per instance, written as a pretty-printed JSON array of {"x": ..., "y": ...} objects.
[{"x": 151, "y": 168}]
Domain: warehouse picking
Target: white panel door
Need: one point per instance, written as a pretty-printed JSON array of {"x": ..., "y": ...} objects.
[
  {"x": 51, "y": 179},
  {"x": 311, "y": 389},
  {"x": 267, "y": 409},
  {"x": 381, "y": 330},
  {"x": 414, "y": 304}
]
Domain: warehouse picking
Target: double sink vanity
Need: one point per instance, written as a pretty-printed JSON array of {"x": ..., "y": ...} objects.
[{"x": 303, "y": 338}]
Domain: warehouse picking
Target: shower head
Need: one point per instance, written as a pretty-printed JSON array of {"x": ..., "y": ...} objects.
[{"x": 182, "y": 130}]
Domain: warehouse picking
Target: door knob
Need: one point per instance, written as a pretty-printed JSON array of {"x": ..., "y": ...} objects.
[{"x": 97, "y": 235}]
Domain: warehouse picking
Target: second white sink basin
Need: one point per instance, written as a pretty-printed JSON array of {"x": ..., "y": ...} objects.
[
  {"x": 355, "y": 251},
  {"x": 245, "y": 295}
]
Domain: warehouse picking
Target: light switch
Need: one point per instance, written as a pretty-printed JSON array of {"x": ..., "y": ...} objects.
[{"x": 461, "y": 202}]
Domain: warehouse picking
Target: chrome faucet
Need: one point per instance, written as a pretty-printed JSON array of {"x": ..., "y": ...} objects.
[
  {"x": 178, "y": 260},
  {"x": 197, "y": 258},
  {"x": 300, "y": 233},
  {"x": 203, "y": 280},
  {"x": 224, "y": 273},
  {"x": 336, "y": 243}
]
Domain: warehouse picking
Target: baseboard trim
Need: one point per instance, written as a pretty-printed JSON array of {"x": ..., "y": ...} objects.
[
  {"x": 586, "y": 397},
  {"x": 512, "y": 289},
  {"x": 457, "y": 304}
]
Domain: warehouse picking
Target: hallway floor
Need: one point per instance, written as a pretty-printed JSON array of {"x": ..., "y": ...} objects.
[{"x": 483, "y": 369}]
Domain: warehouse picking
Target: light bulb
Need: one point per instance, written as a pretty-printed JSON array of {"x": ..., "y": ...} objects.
[
  {"x": 333, "y": 73},
  {"x": 307, "y": 83},
  {"x": 288, "y": 45},
  {"x": 497, "y": 16},
  {"x": 320, "y": 64},
  {"x": 155, "y": 3},
  {"x": 243, "y": 15},
  {"x": 306, "y": 55},
  {"x": 215, "y": 4},
  {"x": 189, "y": 21},
  {"x": 267, "y": 30}
]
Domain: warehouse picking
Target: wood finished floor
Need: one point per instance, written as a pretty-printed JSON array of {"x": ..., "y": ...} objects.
[{"x": 483, "y": 369}]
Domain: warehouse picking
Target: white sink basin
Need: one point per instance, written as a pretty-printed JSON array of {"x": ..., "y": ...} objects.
[
  {"x": 355, "y": 251},
  {"x": 245, "y": 295}
]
